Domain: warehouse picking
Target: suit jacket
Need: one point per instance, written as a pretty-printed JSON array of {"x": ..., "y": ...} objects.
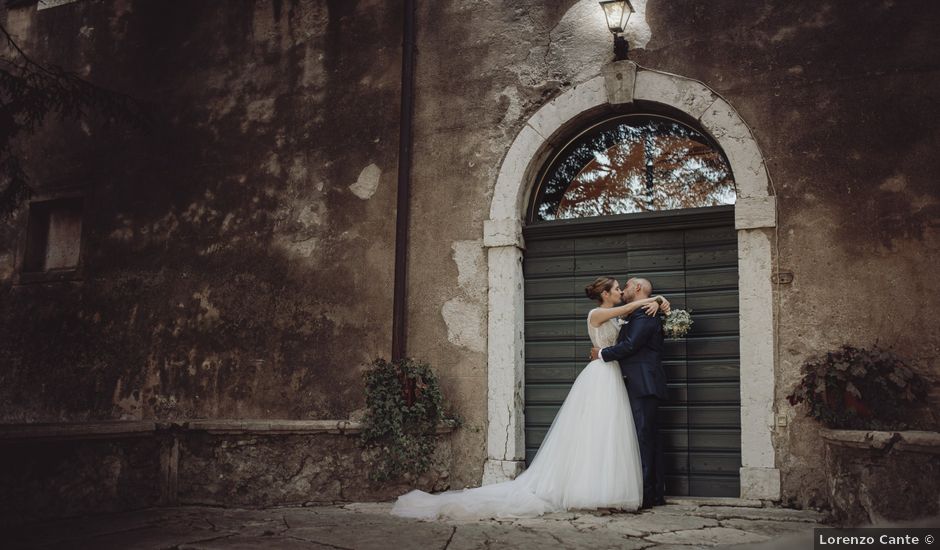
[{"x": 639, "y": 349}]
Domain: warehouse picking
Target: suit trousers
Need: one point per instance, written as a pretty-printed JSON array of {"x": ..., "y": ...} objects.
[{"x": 645, "y": 416}]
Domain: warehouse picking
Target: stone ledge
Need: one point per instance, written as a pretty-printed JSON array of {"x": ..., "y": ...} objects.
[
  {"x": 89, "y": 430},
  {"x": 123, "y": 429},
  {"x": 274, "y": 427},
  {"x": 912, "y": 440}
]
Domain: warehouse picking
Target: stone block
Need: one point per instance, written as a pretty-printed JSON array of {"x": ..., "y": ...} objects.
[
  {"x": 496, "y": 471},
  {"x": 504, "y": 232},
  {"x": 760, "y": 483},
  {"x": 689, "y": 96},
  {"x": 510, "y": 186},
  {"x": 505, "y": 358},
  {"x": 757, "y": 350},
  {"x": 620, "y": 78},
  {"x": 732, "y": 134},
  {"x": 755, "y": 212},
  {"x": 568, "y": 106}
]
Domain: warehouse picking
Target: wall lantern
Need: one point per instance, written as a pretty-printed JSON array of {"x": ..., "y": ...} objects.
[{"x": 618, "y": 12}]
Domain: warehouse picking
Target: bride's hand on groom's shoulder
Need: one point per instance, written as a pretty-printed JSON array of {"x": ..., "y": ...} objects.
[{"x": 651, "y": 308}]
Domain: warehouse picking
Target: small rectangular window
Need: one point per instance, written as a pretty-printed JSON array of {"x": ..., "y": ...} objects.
[
  {"x": 53, "y": 236},
  {"x": 46, "y": 4}
]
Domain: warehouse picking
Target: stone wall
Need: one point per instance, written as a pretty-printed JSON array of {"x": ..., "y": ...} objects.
[
  {"x": 65, "y": 477},
  {"x": 70, "y": 470},
  {"x": 882, "y": 477}
]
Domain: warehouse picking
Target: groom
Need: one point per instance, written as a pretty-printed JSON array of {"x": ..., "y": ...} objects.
[{"x": 639, "y": 350}]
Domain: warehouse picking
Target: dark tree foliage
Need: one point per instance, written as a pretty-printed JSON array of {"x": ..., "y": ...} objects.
[{"x": 31, "y": 92}]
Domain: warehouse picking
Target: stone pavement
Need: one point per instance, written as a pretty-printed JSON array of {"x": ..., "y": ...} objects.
[{"x": 682, "y": 524}]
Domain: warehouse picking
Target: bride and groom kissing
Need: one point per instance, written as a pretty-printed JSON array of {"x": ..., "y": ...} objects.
[{"x": 603, "y": 448}]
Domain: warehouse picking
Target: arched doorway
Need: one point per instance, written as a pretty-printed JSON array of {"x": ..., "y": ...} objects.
[
  {"x": 640, "y": 195},
  {"x": 622, "y": 85}
]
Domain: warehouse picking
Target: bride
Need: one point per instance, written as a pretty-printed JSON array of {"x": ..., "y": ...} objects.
[{"x": 589, "y": 457}]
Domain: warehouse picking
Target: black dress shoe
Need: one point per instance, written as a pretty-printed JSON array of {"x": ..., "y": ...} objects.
[{"x": 659, "y": 502}]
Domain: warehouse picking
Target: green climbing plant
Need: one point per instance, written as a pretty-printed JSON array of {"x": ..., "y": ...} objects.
[{"x": 404, "y": 409}]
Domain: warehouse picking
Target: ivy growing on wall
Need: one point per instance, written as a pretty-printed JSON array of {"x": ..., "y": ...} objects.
[{"x": 405, "y": 408}]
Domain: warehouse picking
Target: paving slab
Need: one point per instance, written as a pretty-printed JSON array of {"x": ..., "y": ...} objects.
[
  {"x": 715, "y": 501},
  {"x": 770, "y": 528},
  {"x": 710, "y": 536},
  {"x": 377, "y": 533},
  {"x": 148, "y": 538},
  {"x": 239, "y": 542},
  {"x": 652, "y": 522},
  {"x": 776, "y": 514},
  {"x": 551, "y": 535},
  {"x": 369, "y": 526}
]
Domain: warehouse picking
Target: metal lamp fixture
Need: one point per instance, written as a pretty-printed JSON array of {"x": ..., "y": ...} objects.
[{"x": 618, "y": 12}]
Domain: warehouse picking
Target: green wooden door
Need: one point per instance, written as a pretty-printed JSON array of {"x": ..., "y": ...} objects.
[{"x": 691, "y": 257}]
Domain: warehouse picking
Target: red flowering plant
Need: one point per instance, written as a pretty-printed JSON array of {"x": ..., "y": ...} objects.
[{"x": 858, "y": 388}]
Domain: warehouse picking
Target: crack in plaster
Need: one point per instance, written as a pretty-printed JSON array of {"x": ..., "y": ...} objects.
[{"x": 508, "y": 424}]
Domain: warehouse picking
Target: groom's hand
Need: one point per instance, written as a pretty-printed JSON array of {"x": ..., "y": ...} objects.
[{"x": 595, "y": 353}]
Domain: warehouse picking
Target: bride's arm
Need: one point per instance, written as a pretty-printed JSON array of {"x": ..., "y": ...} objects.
[{"x": 601, "y": 315}]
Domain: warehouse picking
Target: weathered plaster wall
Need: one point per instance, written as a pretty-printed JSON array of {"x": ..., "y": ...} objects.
[
  {"x": 483, "y": 68},
  {"x": 239, "y": 256},
  {"x": 840, "y": 97}
]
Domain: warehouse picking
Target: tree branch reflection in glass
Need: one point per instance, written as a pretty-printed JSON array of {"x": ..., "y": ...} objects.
[{"x": 638, "y": 163}]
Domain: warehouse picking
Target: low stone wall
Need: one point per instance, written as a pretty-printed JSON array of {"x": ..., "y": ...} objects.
[
  {"x": 880, "y": 477},
  {"x": 48, "y": 478},
  {"x": 57, "y": 471}
]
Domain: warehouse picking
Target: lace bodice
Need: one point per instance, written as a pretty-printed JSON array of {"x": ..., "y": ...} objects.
[{"x": 604, "y": 335}]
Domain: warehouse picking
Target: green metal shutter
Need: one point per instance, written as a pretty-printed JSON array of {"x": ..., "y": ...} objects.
[{"x": 691, "y": 257}]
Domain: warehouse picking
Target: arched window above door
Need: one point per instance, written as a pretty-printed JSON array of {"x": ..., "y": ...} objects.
[{"x": 633, "y": 163}]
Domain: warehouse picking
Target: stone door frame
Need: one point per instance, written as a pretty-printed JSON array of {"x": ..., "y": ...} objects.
[{"x": 623, "y": 82}]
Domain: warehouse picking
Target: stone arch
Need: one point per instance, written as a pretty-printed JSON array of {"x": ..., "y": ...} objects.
[{"x": 623, "y": 82}]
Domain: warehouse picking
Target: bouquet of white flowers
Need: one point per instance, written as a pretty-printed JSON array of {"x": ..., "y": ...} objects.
[{"x": 677, "y": 323}]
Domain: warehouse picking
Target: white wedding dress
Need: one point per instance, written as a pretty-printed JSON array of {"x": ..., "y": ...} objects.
[{"x": 589, "y": 457}]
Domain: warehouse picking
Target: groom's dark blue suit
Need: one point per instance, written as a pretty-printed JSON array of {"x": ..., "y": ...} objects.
[{"x": 639, "y": 349}]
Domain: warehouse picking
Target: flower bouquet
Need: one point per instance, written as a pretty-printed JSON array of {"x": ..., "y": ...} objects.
[{"x": 677, "y": 323}]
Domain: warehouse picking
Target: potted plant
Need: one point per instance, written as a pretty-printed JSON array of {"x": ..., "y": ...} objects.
[
  {"x": 881, "y": 462},
  {"x": 857, "y": 388}
]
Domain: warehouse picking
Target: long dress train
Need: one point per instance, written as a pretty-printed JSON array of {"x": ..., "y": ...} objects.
[{"x": 589, "y": 458}]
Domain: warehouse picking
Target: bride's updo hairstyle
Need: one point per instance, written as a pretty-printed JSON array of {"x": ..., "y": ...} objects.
[{"x": 600, "y": 285}]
